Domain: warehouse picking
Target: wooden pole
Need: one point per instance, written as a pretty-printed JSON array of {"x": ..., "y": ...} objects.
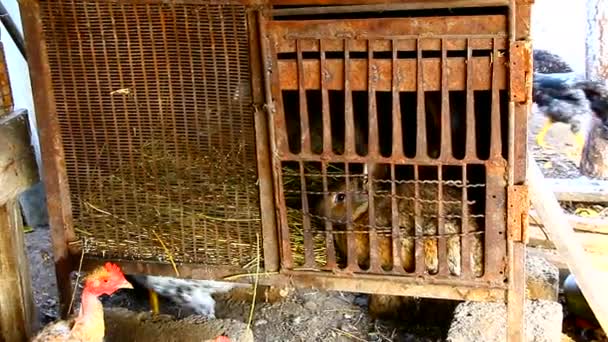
[
  {"x": 18, "y": 172},
  {"x": 591, "y": 282}
]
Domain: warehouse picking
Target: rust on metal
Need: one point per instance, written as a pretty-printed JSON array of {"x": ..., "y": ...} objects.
[
  {"x": 264, "y": 166},
  {"x": 396, "y": 4},
  {"x": 358, "y": 74},
  {"x": 373, "y": 152},
  {"x": 520, "y": 67},
  {"x": 517, "y": 212},
  {"x": 423, "y": 85},
  {"x": 53, "y": 159},
  {"x": 388, "y": 285},
  {"x": 6, "y": 96}
]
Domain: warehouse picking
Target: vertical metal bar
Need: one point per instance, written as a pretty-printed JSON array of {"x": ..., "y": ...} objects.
[
  {"x": 323, "y": 72},
  {"x": 372, "y": 81},
  {"x": 495, "y": 135},
  {"x": 471, "y": 140},
  {"x": 277, "y": 130},
  {"x": 419, "y": 240},
  {"x": 445, "y": 154},
  {"x": 465, "y": 256},
  {"x": 304, "y": 126},
  {"x": 53, "y": 159},
  {"x": 516, "y": 251},
  {"x": 264, "y": 165},
  {"x": 352, "y": 257},
  {"x": 442, "y": 245},
  {"x": 421, "y": 139},
  {"x": 327, "y": 145},
  {"x": 329, "y": 238},
  {"x": 397, "y": 152},
  {"x": 349, "y": 121},
  {"x": 309, "y": 255},
  {"x": 373, "y": 151},
  {"x": 398, "y": 255},
  {"x": 375, "y": 265}
]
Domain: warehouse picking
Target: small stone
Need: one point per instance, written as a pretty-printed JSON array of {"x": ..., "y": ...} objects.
[
  {"x": 260, "y": 322},
  {"x": 347, "y": 316},
  {"x": 348, "y": 327},
  {"x": 297, "y": 320},
  {"x": 542, "y": 279},
  {"x": 310, "y": 305}
]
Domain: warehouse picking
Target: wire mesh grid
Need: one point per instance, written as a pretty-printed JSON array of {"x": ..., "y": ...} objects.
[
  {"x": 5, "y": 85},
  {"x": 156, "y": 128}
]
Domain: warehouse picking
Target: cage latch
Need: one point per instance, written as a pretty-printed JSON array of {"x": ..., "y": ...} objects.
[
  {"x": 517, "y": 213},
  {"x": 520, "y": 67}
]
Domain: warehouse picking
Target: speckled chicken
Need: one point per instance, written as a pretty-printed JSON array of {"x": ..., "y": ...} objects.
[
  {"x": 562, "y": 100},
  {"x": 194, "y": 294},
  {"x": 88, "y": 325}
]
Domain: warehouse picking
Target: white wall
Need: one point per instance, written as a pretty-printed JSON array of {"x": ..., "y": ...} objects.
[
  {"x": 559, "y": 26},
  {"x": 18, "y": 72}
]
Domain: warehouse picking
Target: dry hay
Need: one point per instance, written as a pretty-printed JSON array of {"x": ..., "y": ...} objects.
[{"x": 202, "y": 208}]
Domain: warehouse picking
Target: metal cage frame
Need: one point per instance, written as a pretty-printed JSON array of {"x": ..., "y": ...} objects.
[{"x": 259, "y": 16}]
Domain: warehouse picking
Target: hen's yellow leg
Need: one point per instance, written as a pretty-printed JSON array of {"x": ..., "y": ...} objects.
[
  {"x": 540, "y": 137},
  {"x": 154, "y": 302},
  {"x": 579, "y": 143},
  {"x": 580, "y": 140}
]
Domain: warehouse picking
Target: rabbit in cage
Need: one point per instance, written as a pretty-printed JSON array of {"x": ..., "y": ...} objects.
[{"x": 334, "y": 206}]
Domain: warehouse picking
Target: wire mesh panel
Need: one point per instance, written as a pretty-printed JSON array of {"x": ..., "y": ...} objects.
[
  {"x": 390, "y": 144},
  {"x": 157, "y": 129},
  {"x": 5, "y": 86}
]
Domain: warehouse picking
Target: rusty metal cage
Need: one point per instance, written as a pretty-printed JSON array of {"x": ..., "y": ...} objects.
[
  {"x": 371, "y": 146},
  {"x": 5, "y": 85},
  {"x": 397, "y": 147}
]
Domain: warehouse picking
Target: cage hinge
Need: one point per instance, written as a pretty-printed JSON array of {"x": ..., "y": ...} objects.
[
  {"x": 518, "y": 206},
  {"x": 520, "y": 68}
]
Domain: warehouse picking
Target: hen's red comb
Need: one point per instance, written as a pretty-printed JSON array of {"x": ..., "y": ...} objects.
[
  {"x": 222, "y": 339},
  {"x": 112, "y": 268}
]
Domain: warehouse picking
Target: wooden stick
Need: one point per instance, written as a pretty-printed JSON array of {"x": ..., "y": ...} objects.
[
  {"x": 560, "y": 232},
  {"x": 580, "y": 224},
  {"x": 579, "y": 190}
]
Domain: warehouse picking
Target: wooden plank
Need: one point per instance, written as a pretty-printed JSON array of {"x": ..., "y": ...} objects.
[
  {"x": 580, "y": 224},
  {"x": 590, "y": 281},
  {"x": 18, "y": 170},
  {"x": 591, "y": 242},
  {"x": 579, "y": 190},
  {"x": 598, "y": 261},
  {"x": 16, "y": 299}
]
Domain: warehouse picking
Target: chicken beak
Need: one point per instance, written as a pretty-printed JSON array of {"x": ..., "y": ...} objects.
[{"x": 126, "y": 285}]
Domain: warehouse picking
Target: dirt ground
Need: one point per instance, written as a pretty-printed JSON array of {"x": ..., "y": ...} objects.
[{"x": 309, "y": 315}]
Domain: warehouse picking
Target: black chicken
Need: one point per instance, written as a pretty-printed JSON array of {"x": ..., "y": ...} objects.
[
  {"x": 562, "y": 99},
  {"x": 549, "y": 63}
]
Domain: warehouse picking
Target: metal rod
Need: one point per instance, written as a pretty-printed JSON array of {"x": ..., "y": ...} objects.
[
  {"x": 384, "y": 8},
  {"x": 12, "y": 29}
]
